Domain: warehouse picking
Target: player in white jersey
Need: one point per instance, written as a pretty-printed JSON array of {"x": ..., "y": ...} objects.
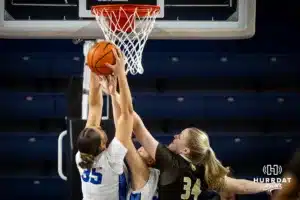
[
  {"x": 102, "y": 169},
  {"x": 143, "y": 178}
]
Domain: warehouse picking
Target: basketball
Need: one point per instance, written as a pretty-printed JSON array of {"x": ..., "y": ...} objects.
[{"x": 100, "y": 54}]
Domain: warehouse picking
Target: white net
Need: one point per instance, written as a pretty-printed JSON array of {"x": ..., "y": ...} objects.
[{"x": 128, "y": 30}]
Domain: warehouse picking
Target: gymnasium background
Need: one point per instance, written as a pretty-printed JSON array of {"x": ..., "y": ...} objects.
[{"x": 244, "y": 93}]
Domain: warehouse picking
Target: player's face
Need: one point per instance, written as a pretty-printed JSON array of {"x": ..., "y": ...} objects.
[
  {"x": 145, "y": 156},
  {"x": 179, "y": 142}
]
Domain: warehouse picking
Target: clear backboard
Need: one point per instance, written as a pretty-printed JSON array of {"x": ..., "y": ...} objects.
[{"x": 188, "y": 19}]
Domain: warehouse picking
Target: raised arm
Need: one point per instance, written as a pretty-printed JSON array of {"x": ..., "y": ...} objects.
[
  {"x": 242, "y": 186},
  {"x": 144, "y": 136},
  {"x": 139, "y": 170},
  {"x": 140, "y": 131},
  {"x": 109, "y": 86},
  {"x": 95, "y": 102},
  {"x": 125, "y": 121},
  {"x": 115, "y": 99}
]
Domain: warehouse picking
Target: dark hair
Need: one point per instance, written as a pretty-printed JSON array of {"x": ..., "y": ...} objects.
[{"x": 88, "y": 144}]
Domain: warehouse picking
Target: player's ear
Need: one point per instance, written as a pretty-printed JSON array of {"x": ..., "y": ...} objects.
[{"x": 186, "y": 150}]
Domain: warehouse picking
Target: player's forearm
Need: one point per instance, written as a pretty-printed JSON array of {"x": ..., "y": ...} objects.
[
  {"x": 251, "y": 187},
  {"x": 138, "y": 128},
  {"x": 125, "y": 94},
  {"x": 95, "y": 102},
  {"x": 95, "y": 93},
  {"x": 115, "y": 99},
  {"x": 144, "y": 136}
]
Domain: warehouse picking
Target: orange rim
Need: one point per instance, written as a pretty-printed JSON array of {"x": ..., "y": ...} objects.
[{"x": 142, "y": 10}]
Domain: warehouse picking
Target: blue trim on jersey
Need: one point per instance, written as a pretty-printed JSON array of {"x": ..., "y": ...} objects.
[
  {"x": 135, "y": 196},
  {"x": 122, "y": 187}
]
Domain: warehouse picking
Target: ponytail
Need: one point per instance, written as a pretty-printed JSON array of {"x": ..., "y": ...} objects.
[
  {"x": 88, "y": 144},
  {"x": 215, "y": 172},
  {"x": 202, "y": 154},
  {"x": 87, "y": 161}
]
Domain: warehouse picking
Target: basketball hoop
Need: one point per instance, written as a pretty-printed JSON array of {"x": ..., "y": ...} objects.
[{"x": 127, "y": 26}]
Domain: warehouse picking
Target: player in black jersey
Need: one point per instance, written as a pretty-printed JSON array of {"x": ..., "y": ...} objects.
[
  {"x": 291, "y": 188},
  {"x": 188, "y": 166}
]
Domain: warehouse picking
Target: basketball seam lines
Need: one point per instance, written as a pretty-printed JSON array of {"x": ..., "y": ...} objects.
[
  {"x": 106, "y": 46},
  {"x": 94, "y": 52},
  {"x": 101, "y": 59},
  {"x": 103, "y": 55}
]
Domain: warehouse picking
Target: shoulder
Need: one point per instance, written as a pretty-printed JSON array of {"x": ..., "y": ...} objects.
[
  {"x": 116, "y": 143},
  {"x": 77, "y": 157},
  {"x": 165, "y": 158},
  {"x": 163, "y": 151},
  {"x": 116, "y": 148}
]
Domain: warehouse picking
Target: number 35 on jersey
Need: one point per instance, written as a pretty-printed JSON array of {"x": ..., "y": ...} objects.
[{"x": 91, "y": 176}]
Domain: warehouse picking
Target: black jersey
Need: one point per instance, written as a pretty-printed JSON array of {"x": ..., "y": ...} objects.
[
  {"x": 178, "y": 178},
  {"x": 294, "y": 165}
]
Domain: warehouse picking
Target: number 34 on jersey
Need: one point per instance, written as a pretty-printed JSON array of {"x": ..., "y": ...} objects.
[{"x": 191, "y": 189}]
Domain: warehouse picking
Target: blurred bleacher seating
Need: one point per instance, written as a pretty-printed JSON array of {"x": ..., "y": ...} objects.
[{"x": 248, "y": 104}]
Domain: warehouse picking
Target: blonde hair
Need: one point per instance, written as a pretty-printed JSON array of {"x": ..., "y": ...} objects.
[
  {"x": 202, "y": 154},
  {"x": 87, "y": 161}
]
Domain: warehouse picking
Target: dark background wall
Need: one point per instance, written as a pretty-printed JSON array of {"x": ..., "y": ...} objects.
[{"x": 244, "y": 93}]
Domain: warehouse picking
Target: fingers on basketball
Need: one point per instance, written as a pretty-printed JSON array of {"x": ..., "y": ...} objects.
[
  {"x": 119, "y": 53},
  {"x": 116, "y": 53}
]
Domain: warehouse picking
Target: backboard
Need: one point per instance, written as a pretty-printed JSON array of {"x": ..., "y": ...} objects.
[{"x": 188, "y": 19}]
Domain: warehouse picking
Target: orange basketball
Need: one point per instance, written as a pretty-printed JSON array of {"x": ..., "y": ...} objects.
[{"x": 100, "y": 54}]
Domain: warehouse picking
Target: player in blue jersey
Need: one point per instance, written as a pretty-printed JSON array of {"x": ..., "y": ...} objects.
[
  {"x": 143, "y": 178},
  {"x": 102, "y": 168}
]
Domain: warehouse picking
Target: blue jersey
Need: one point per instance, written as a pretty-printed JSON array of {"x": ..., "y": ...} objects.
[
  {"x": 149, "y": 191},
  {"x": 107, "y": 178}
]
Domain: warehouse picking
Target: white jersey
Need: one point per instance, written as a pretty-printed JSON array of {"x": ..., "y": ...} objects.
[
  {"x": 107, "y": 180},
  {"x": 149, "y": 191}
]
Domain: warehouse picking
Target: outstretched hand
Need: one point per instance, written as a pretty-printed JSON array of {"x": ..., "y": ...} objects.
[
  {"x": 272, "y": 187},
  {"x": 119, "y": 67},
  {"x": 109, "y": 84}
]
